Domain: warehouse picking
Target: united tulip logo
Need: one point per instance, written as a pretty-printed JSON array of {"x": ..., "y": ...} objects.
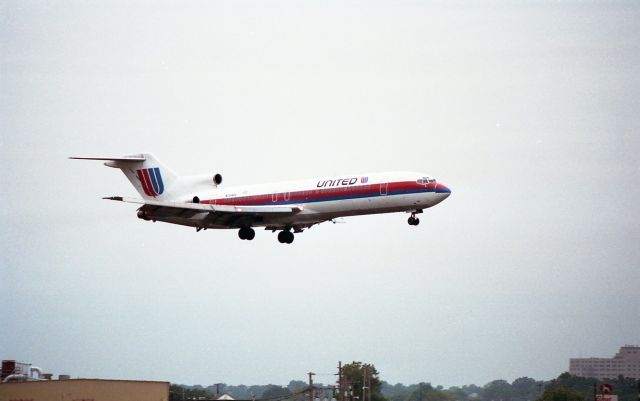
[{"x": 151, "y": 181}]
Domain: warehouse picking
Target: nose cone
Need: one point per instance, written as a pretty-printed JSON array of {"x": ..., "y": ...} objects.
[
  {"x": 442, "y": 192},
  {"x": 442, "y": 189}
]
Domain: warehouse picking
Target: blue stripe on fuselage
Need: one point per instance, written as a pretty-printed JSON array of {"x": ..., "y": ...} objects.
[{"x": 343, "y": 197}]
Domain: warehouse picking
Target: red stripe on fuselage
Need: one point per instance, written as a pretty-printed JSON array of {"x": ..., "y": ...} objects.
[{"x": 318, "y": 194}]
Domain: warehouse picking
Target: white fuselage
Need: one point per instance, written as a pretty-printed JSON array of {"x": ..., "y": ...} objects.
[{"x": 323, "y": 199}]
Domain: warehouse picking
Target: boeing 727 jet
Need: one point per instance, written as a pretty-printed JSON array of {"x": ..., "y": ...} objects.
[{"x": 288, "y": 207}]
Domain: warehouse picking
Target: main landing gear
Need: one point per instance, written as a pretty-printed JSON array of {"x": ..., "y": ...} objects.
[
  {"x": 285, "y": 237},
  {"x": 246, "y": 233}
]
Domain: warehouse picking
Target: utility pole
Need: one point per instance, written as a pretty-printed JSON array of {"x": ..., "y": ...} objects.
[
  {"x": 310, "y": 385},
  {"x": 340, "y": 381},
  {"x": 364, "y": 384},
  {"x": 369, "y": 385}
]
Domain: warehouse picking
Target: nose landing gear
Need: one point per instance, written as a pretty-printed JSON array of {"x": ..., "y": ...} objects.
[{"x": 413, "y": 220}]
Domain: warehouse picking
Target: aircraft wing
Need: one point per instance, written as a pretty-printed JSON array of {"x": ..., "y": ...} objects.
[{"x": 225, "y": 215}]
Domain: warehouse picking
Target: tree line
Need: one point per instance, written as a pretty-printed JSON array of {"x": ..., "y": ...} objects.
[{"x": 563, "y": 388}]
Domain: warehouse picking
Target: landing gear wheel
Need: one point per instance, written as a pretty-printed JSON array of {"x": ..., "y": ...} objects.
[
  {"x": 246, "y": 233},
  {"x": 285, "y": 237},
  {"x": 416, "y": 221},
  {"x": 412, "y": 221},
  {"x": 290, "y": 237}
]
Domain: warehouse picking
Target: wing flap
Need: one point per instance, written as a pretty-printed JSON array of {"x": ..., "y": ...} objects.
[{"x": 203, "y": 207}]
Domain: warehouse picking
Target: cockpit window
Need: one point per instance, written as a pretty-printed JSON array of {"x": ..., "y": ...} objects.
[{"x": 425, "y": 180}]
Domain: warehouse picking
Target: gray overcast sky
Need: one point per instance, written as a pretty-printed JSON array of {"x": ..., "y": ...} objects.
[{"x": 529, "y": 111}]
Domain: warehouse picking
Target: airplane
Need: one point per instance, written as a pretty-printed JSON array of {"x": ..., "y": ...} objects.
[{"x": 288, "y": 207}]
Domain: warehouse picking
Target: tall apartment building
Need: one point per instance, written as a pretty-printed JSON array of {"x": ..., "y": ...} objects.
[{"x": 626, "y": 363}]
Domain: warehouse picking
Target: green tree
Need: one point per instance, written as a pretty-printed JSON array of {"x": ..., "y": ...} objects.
[
  {"x": 525, "y": 389},
  {"x": 419, "y": 391},
  {"x": 438, "y": 395},
  {"x": 457, "y": 393},
  {"x": 561, "y": 394},
  {"x": 297, "y": 385},
  {"x": 396, "y": 392},
  {"x": 274, "y": 392},
  {"x": 179, "y": 393},
  {"x": 497, "y": 390},
  {"x": 581, "y": 385},
  {"x": 354, "y": 373},
  {"x": 625, "y": 388}
]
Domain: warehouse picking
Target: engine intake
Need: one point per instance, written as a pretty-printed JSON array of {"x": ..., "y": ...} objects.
[
  {"x": 217, "y": 179},
  {"x": 142, "y": 215}
]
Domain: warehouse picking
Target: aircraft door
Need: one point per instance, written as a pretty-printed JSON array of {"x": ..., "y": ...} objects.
[{"x": 383, "y": 188}]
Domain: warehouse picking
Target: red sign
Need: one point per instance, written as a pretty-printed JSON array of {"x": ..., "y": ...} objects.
[{"x": 606, "y": 388}]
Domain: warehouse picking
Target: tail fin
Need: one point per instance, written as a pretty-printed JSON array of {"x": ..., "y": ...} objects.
[{"x": 151, "y": 178}]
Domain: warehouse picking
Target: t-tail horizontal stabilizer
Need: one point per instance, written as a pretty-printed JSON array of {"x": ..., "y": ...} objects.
[{"x": 147, "y": 174}]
